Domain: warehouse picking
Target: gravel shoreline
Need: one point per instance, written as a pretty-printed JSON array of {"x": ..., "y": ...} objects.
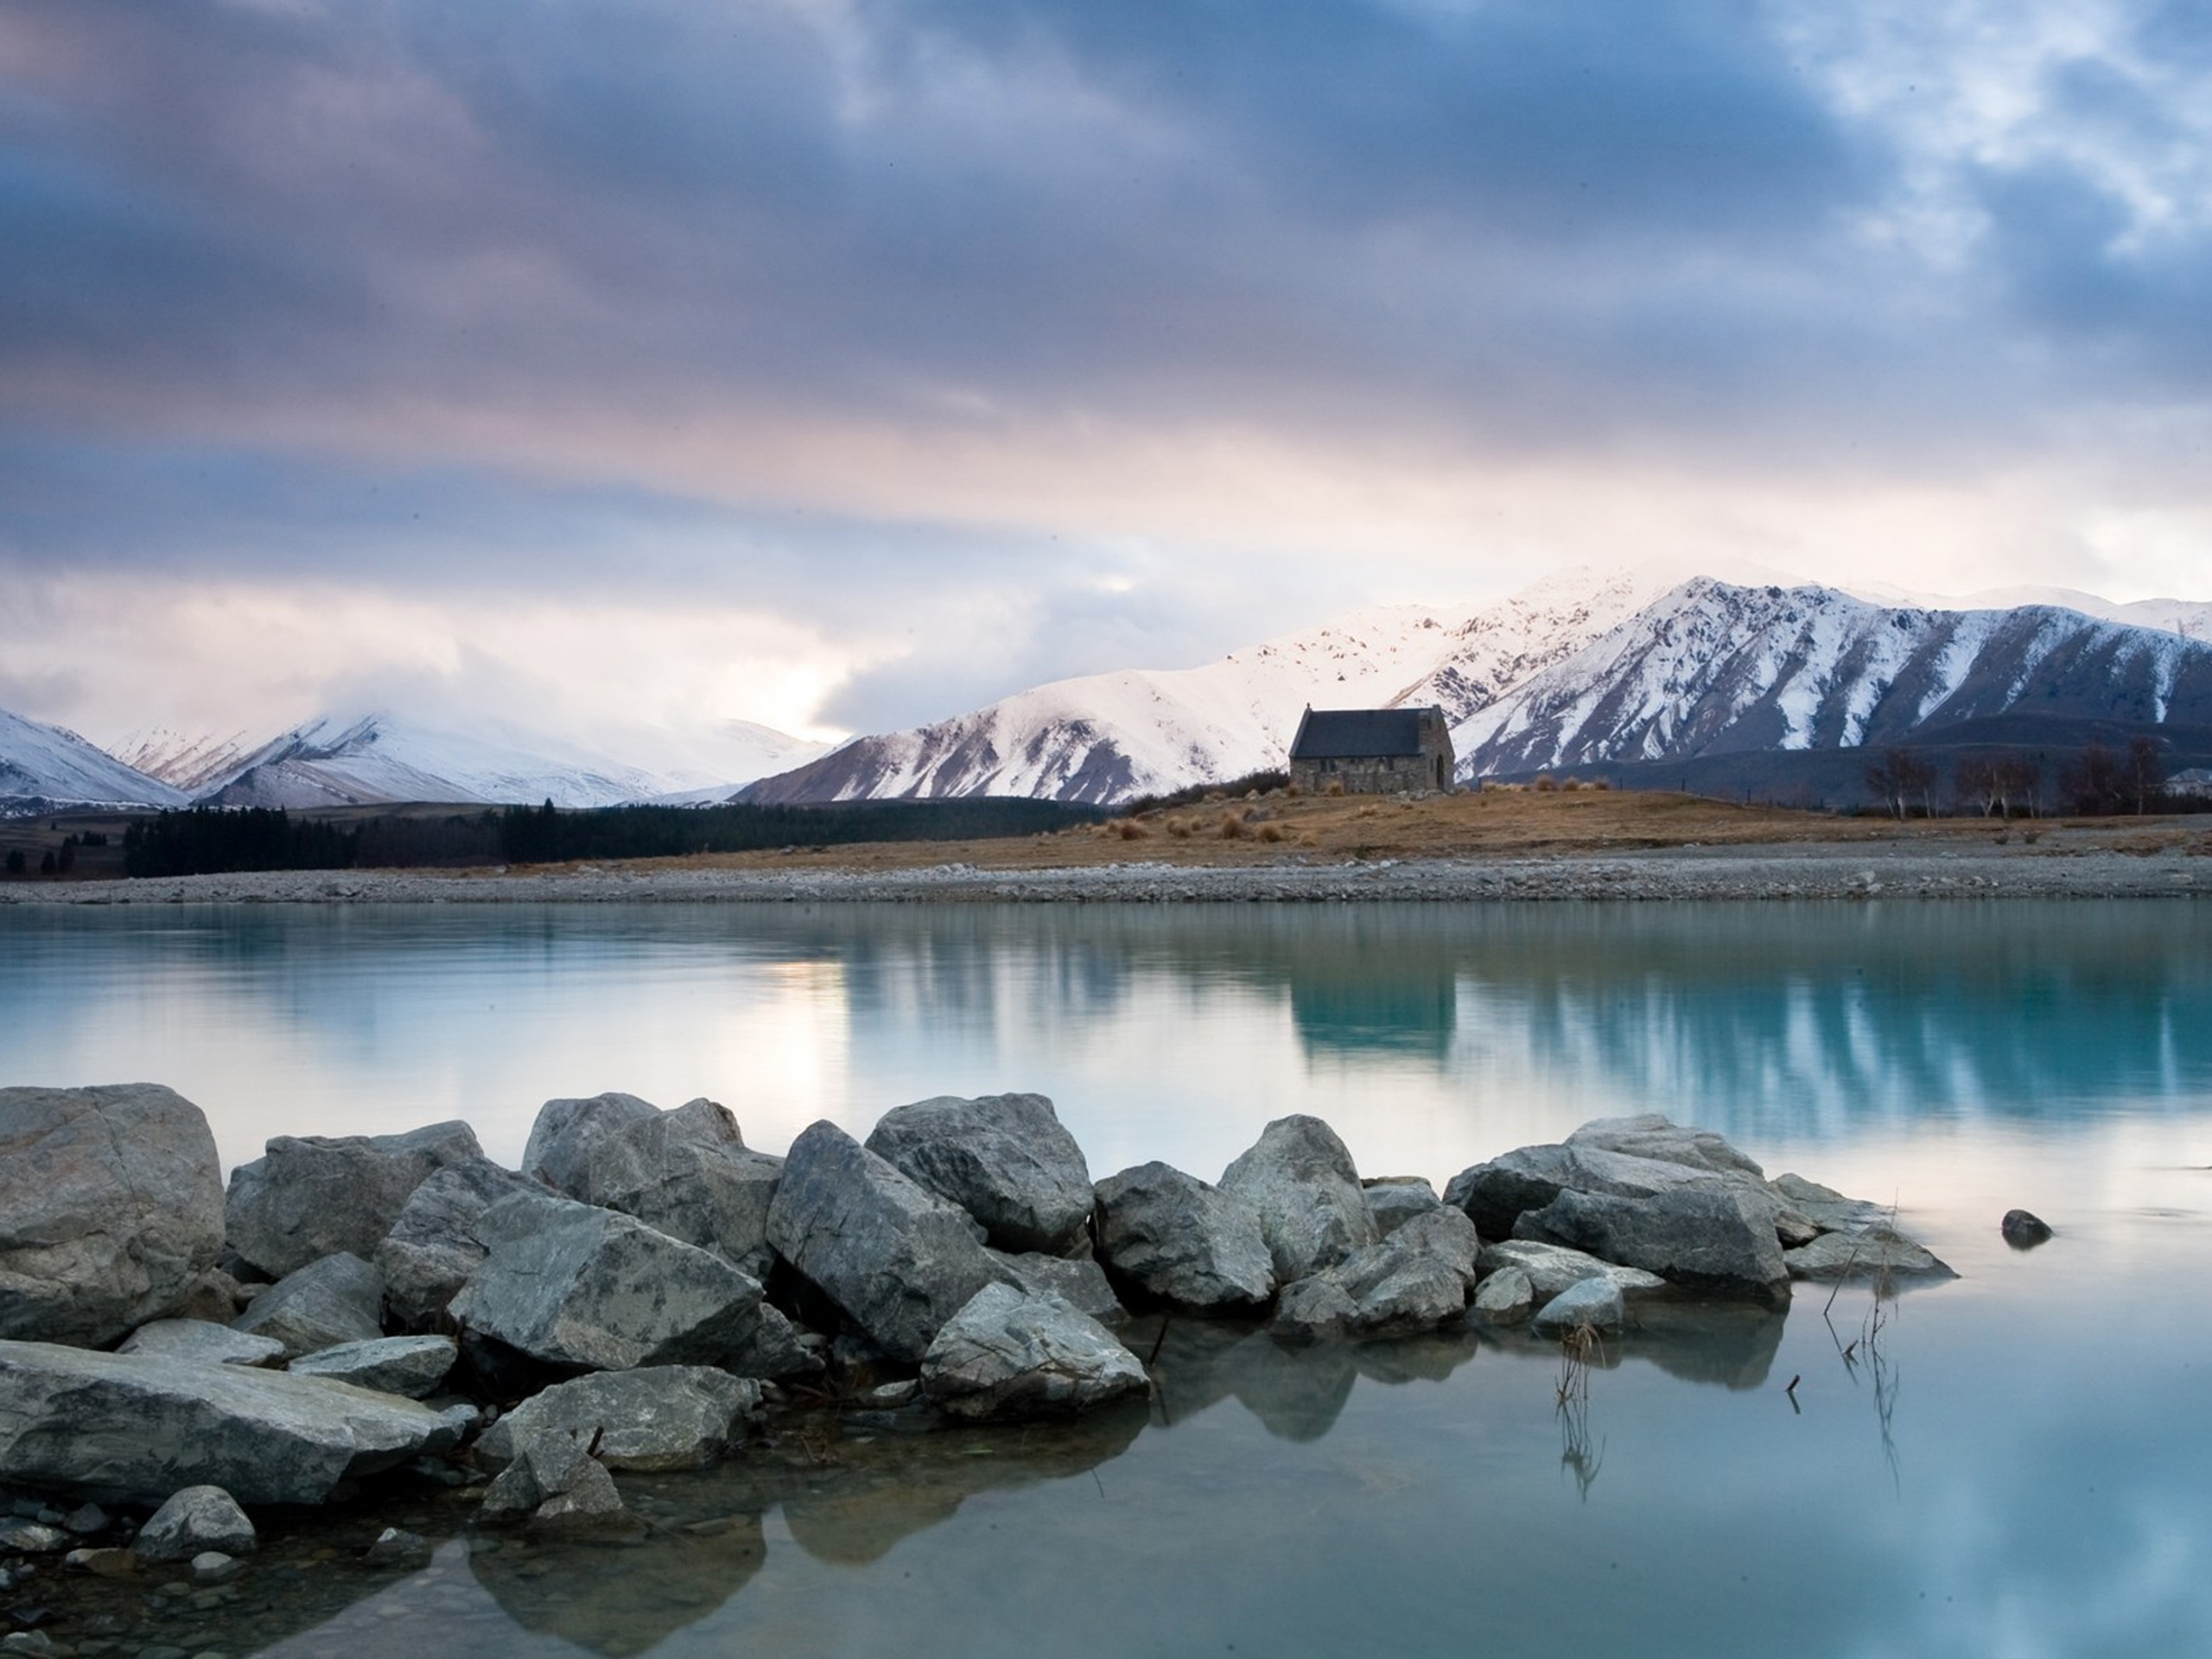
[{"x": 1797, "y": 871}]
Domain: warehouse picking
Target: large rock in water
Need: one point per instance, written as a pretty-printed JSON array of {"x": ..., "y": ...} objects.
[
  {"x": 133, "y": 1429},
  {"x": 1416, "y": 1279},
  {"x": 1004, "y": 1159},
  {"x": 194, "y": 1520},
  {"x": 656, "y": 1417},
  {"x": 687, "y": 1172},
  {"x": 1009, "y": 1355},
  {"x": 1299, "y": 1180},
  {"x": 316, "y": 1195},
  {"x": 896, "y": 1258},
  {"x": 1182, "y": 1241},
  {"x": 432, "y": 1247},
  {"x": 110, "y": 1206},
  {"x": 337, "y": 1300},
  {"x": 1718, "y": 1238},
  {"x": 1653, "y": 1136},
  {"x": 565, "y": 1131},
  {"x": 573, "y": 1285}
]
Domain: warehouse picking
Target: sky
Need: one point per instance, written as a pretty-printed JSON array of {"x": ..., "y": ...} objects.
[{"x": 845, "y": 364}]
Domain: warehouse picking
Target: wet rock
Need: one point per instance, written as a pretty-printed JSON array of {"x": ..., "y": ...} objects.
[
  {"x": 28, "y": 1537},
  {"x": 1595, "y": 1302},
  {"x": 335, "y": 1300},
  {"x": 1718, "y": 1238},
  {"x": 1416, "y": 1279},
  {"x": 1178, "y": 1239},
  {"x": 202, "y": 1343},
  {"x": 213, "y": 1566},
  {"x": 687, "y": 1172},
  {"x": 413, "y": 1366},
  {"x": 102, "y": 1563},
  {"x": 570, "y": 1285},
  {"x": 194, "y": 1519},
  {"x": 1626, "y": 1157},
  {"x": 659, "y": 1417},
  {"x": 1506, "y": 1297},
  {"x": 1009, "y": 1355},
  {"x": 432, "y": 1246},
  {"x": 2024, "y": 1229},
  {"x": 1301, "y": 1182},
  {"x": 555, "y": 1484},
  {"x": 397, "y": 1546},
  {"x": 1394, "y": 1200},
  {"x": 312, "y": 1196},
  {"x": 774, "y": 1350},
  {"x": 37, "y": 1644},
  {"x": 1552, "y": 1267},
  {"x": 111, "y": 1207},
  {"x": 86, "y": 1520},
  {"x": 1653, "y": 1136},
  {"x": 1878, "y": 1253},
  {"x": 890, "y": 1396},
  {"x": 1080, "y": 1282},
  {"x": 134, "y": 1428},
  {"x": 897, "y": 1260},
  {"x": 564, "y": 1132},
  {"x": 1005, "y": 1159}
]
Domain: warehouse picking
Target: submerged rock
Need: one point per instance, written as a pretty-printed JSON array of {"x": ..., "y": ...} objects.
[
  {"x": 897, "y": 1260},
  {"x": 656, "y": 1417},
  {"x": 1506, "y": 1297},
  {"x": 1552, "y": 1267},
  {"x": 314, "y": 1196},
  {"x": 335, "y": 1300},
  {"x": 1006, "y": 1160},
  {"x": 1594, "y": 1302},
  {"x": 202, "y": 1343},
  {"x": 193, "y": 1521},
  {"x": 1010, "y": 1355},
  {"x": 1299, "y": 1180},
  {"x": 432, "y": 1246},
  {"x": 1716, "y": 1238},
  {"x": 1183, "y": 1241},
  {"x": 111, "y": 1207},
  {"x": 135, "y": 1428},
  {"x": 2024, "y": 1229},
  {"x": 413, "y": 1366},
  {"x": 556, "y": 1486}
]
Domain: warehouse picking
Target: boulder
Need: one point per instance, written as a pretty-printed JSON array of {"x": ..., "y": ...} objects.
[
  {"x": 1416, "y": 1279},
  {"x": 1182, "y": 1241},
  {"x": 1650, "y": 1135},
  {"x": 1552, "y": 1267},
  {"x": 1878, "y": 1253},
  {"x": 211, "y": 1567},
  {"x": 1506, "y": 1297},
  {"x": 773, "y": 1350},
  {"x": 1718, "y": 1238},
  {"x": 1595, "y": 1302},
  {"x": 1628, "y": 1157},
  {"x": 133, "y": 1429},
  {"x": 555, "y": 1484},
  {"x": 1299, "y": 1180},
  {"x": 413, "y": 1366},
  {"x": 1493, "y": 1195},
  {"x": 687, "y": 1172},
  {"x": 576, "y": 1287},
  {"x": 1010, "y": 1355},
  {"x": 214, "y": 1297},
  {"x": 111, "y": 1207},
  {"x": 1394, "y": 1200},
  {"x": 897, "y": 1260},
  {"x": 397, "y": 1546},
  {"x": 337, "y": 1300},
  {"x": 312, "y": 1196},
  {"x": 1828, "y": 1210},
  {"x": 193, "y": 1519},
  {"x": 562, "y": 1137},
  {"x": 1004, "y": 1159},
  {"x": 2024, "y": 1229},
  {"x": 1080, "y": 1282},
  {"x": 199, "y": 1343},
  {"x": 432, "y": 1246},
  {"x": 656, "y": 1417}
]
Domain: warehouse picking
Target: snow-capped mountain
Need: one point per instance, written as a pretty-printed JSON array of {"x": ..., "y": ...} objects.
[
  {"x": 191, "y": 762},
  {"x": 1105, "y": 737},
  {"x": 47, "y": 767},
  {"x": 1713, "y": 669}
]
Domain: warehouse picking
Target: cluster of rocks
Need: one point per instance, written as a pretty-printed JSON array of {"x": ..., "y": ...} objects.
[{"x": 647, "y": 1287}]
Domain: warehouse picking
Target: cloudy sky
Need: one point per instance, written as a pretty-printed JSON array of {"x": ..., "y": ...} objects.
[{"x": 840, "y": 364}]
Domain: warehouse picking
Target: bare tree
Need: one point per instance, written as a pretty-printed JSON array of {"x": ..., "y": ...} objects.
[
  {"x": 2146, "y": 773},
  {"x": 2095, "y": 786},
  {"x": 1901, "y": 779},
  {"x": 2019, "y": 782},
  {"x": 1973, "y": 780}
]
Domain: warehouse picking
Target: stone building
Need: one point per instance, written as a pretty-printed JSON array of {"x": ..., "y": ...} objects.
[{"x": 1371, "y": 751}]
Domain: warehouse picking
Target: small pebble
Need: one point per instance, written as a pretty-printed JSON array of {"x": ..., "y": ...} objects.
[{"x": 211, "y": 1567}]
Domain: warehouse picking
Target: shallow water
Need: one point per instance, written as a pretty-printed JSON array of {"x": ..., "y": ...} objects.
[{"x": 2018, "y": 1467}]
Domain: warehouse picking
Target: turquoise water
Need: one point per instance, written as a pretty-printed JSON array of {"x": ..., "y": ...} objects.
[{"x": 2017, "y": 1464}]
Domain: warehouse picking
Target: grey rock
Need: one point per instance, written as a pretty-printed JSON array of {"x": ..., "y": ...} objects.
[
  {"x": 687, "y": 1172},
  {"x": 214, "y": 1297},
  {"x": 556, "y": 1486},
  {"x": 1416, "y": 1279},
  {"x": 1506, "y": 1297},
  {"x": 37, "y": 1644},
  {"x": 1301, "y": 1181},
  {"x": 1826, "y": 1208},
  {"x": 29, "y": 1537},
  {"x": 1315, "y": 1309},
  {"x": 1878, "y": 1253},
  {"x": 2024, "y": 1229},
  {"x": 1493, "y": 1195},
  {"x": 1004, "y": 1159},
  {"x": 202, "y": 1343},
  {"x": 1009, "y": 1355},
  {"x": 1080, "y": 1282},
  {"x": 312, "y": 1196},
  {"x": 86, "y": 1520},
  {"x": 890, "y": 1396},
  {"x": 1181, "y": 1240},
  {"x": 1552, "y": 1267},
  {"x": 111, "y": 1207},
  {"x": 1650, "y": 1135},
  {"x": 1394, "y": 1200},
  {"x": 896, "y": 1258},
  {"x": 133, "y": 1429},
  {"x": 413, "y": 1366},
  {"x": 432, "y": 1246},
  {"x": 1595, "y": 1302},
  {"x": 337, "y": 1300},
  {"x": 103, "y": 1563},
  {"x": 213, "y": 1566},
  {"x": 655, "y": 1418},
  {"x": 774, "y": 1350},
  {"x": 1718, "y": 1238},
  {"x": 562, "y": 1137},
  {"x": 193, "y": 1519},
  {"x": 397, "y": 1546},
  {"x": 571, "y": 1285}
]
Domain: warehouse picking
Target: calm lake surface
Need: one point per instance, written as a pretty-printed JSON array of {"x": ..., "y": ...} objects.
[{"x": 2019, "y": 1464}]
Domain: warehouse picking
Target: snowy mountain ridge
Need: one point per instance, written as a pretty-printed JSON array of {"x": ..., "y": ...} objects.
[{"x": 43, "y": 768}]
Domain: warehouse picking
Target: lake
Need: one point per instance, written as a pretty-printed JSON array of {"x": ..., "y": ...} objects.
[{"x": 2011, "y": 1463}]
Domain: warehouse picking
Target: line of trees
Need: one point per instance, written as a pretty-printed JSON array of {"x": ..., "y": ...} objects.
[{"x": 2098, "y": 782}]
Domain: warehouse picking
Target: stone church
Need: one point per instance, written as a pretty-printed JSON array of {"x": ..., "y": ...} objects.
[{"x": 1371, "y": 751}]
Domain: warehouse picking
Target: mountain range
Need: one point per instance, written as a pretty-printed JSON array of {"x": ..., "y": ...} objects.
[{"x": 1741, "y": 684}]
